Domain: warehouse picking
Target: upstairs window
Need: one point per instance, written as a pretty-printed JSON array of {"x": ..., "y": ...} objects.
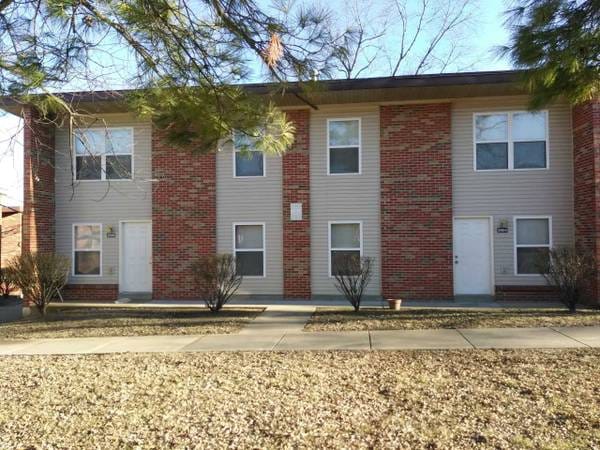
[
  {"x": 247, "y": 160},
  {"x": 511, "y": 141},
  {"x": 532, "y": 244},
  {"x": 343, "y": 137},
  {"x": 87, "y": 249},
  {"x": 249, "y": 249},
  {"x": 104, "y": 154}
]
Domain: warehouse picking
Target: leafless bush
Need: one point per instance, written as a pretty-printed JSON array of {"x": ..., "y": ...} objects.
[
  {"x": 40, "y": 276},
  {"x": 352, "y": 274},
  {"x": 7, "y": 281},
  {"x": 217, "y": 279},
  {"x": 567, "y": 269}
]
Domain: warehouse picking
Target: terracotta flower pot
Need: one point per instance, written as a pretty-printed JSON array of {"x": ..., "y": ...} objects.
[{"x": 395, "y": 303}]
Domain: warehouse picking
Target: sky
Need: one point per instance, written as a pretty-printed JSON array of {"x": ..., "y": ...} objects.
[{"x": 488, "y": 34}]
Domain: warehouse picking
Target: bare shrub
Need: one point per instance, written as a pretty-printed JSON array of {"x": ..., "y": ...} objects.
[
  {"x": 352, "y": 274},
  {"x": 217, "y": 279},
  {"x": 40, "y": 276},
  {"x": 7, "y": 281},
  {"x": 567, "y": 269}
]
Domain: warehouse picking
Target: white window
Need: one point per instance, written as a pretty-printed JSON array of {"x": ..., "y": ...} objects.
[
  {"x": 511, "y": 141},
  {"x": 249, "y": 242},
  {"x": 533, "y": 239},
  {"x": 104, "y": 154},
  {"x": 345, "y": 241},
  {"x": 247, "y": 160},
  {"x": 343, "y": 143},
  {"x": 87, "y": 249}
]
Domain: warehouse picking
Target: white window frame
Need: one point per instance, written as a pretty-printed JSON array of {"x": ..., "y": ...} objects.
[
  {"x": 74, "y": 250},
  {"x": 263, "y": 249},
  {"x": 343, "y": 222},
  {"x": 236, "y": 151},
  {"x": 509, "y": 141},
  {"x": 515, "y": 245},
  {"x": 103, "y": 156},
  {"x": 329, "y": 147}
]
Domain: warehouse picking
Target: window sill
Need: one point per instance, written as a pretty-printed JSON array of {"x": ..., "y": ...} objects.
[
  {"x": 541, "y": 169},
  {"x": 106, "y": 181}
]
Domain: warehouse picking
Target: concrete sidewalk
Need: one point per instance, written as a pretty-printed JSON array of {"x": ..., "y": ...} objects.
[
  {"x": 293, "y": 340},
  {"x": 280, "y": 328}
]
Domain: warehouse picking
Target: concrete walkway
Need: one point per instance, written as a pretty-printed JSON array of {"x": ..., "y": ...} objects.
[
  {"x": 279, "y": 335},
  {"x": 280, "y": 328}
]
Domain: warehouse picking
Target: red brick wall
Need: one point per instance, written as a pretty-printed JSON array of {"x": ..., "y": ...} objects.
[
  {"x": 90, "y": 292},
  {"x": 586, "y": 165},
  {"x": 38, "y": 184},
  {"x": 416, "y": 201},
  {"x": 296, "y": 189},
  {"x": 10, "y": 238},
  {"x": 183, "y": 216}
]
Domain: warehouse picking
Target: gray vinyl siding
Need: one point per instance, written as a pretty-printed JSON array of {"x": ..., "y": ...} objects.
[
  {"x": 105, "y": 202},
  {"x": 252, "y": 199},
  {"x": 344, "y": 197},
  {"x": 506, "y": 194}
]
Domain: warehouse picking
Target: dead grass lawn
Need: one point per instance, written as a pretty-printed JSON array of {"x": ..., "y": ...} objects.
[
  {"x": 451, "y": 399},
  {"x": 330, "y": 319},
  {"x": 96, "y": 322}
]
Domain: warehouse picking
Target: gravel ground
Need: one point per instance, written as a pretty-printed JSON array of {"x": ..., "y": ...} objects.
[
  {"x": 328, "y": 319},
  {"x": 88, "y": 322},
  {"x": 453, "y": 399}
]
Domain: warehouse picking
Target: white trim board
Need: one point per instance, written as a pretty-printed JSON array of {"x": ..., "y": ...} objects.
[{"x": 263, "y": 249}]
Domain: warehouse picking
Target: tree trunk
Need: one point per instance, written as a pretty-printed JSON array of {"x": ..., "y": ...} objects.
[{"x": 574, "y": 301}]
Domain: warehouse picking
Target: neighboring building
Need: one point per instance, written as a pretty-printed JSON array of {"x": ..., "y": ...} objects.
[
  {"x": 447, "y": 181},
  {"x": 10, "y": 234}
]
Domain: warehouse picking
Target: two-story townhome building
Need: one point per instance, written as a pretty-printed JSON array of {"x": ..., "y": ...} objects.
[{"x": 447, "y": 181}]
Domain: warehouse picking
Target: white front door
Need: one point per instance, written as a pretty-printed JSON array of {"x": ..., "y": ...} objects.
[
  {"x": 472, "y": 256},
  {"x": 136, "y": 257}
]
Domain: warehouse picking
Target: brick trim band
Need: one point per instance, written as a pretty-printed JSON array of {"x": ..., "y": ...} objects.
[
  {"x": 296, "y": 189},
  {"x": 91, "y": 292},
  {"x": 416, "y": 201},
  {"x": 586, "y": 178},
  {"x": 183, "y": 216}
]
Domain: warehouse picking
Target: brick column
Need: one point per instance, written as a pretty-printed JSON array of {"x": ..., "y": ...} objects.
[
  {"x": 416, "y": 201},
  {"x": 183, "y": 216},
  {"x": 38, "y": 184},
  {"x": 296, "y": 189},
  {"x": 10, "y": 238},
  {"x": 586, "y": 166}
]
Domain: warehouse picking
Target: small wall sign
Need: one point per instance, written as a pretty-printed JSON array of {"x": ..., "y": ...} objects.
[
  {"x": 502, "y": 226},
  {"x": 295, "y": 211}
]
